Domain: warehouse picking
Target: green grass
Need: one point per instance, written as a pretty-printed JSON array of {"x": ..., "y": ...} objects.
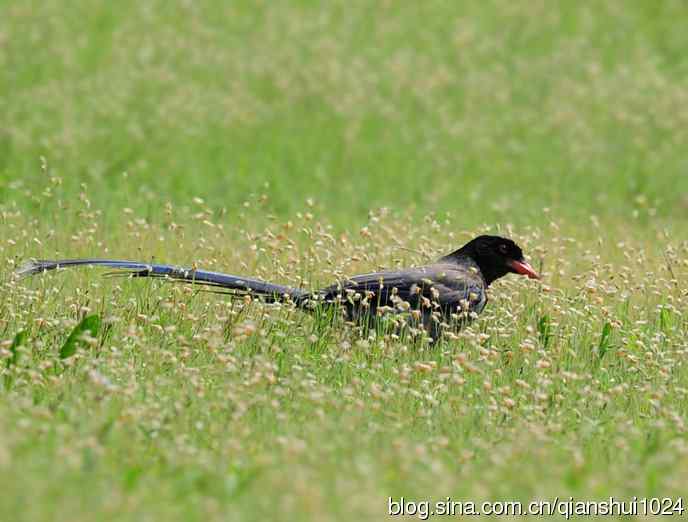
[{"x": 300, "y": 141}]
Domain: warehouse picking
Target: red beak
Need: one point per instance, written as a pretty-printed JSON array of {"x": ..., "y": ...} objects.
[{"x": 523, "y": 268}]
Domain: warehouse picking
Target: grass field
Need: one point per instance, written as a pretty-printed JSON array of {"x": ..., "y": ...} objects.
[{"x": 303, "y": 141}]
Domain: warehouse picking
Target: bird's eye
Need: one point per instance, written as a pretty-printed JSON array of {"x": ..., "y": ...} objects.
[{"x": 503, "y": 249}]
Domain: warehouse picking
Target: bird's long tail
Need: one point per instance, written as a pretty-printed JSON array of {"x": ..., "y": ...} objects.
[{"x": 233, "y": 284}]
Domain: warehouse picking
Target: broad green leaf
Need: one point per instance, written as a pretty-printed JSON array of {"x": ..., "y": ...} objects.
[
  {"x": 604, "y": 339},
  {"x": 91, "y": 324}
]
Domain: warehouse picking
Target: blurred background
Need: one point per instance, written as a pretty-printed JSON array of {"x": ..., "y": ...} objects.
[
  {"x": 306, "y": 141},
  {"x": 491, "y": 111}
]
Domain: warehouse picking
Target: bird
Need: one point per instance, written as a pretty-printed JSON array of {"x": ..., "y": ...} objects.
[{"x": 432, "y": 298}]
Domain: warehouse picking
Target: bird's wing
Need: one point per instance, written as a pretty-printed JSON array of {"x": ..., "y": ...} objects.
[{"x": 448, "y": 286}]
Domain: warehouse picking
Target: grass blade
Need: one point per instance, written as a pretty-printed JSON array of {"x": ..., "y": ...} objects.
[
  {"x": 544, "y": 330},
  {"x": 19, "y": 340}
]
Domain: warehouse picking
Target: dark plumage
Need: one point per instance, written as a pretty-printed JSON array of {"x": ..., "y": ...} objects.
[{"x": 451, "y": 290}]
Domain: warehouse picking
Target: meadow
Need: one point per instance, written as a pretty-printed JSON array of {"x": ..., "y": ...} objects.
[{"x": 305, "y": 141}]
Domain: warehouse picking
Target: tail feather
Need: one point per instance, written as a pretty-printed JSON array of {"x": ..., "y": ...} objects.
[{"x": 236, "y": 284}]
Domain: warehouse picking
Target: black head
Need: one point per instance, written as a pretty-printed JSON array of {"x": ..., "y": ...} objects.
[{"x": 495, "y": 256}]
